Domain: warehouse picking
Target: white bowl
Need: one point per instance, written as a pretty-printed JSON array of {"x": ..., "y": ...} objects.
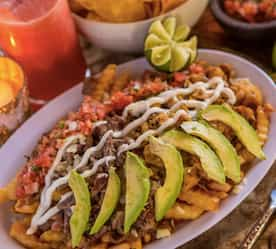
[
  {"x": 129, "y": 37},
  {"x": 25, "y": 138}
]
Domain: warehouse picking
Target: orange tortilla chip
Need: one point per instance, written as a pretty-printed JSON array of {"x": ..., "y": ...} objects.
[
  {"x": 117, "y": 11},
  {"x": 167, "y": 5},
  {"x": 93, "y": 16},
  {"x": 87, "y": 4},
  {"x": 75, "y": 6},
  {"x": 156, "y": 5}
]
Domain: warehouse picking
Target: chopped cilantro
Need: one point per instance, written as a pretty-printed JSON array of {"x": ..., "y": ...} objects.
[
  {"x": 61, "y": 124},
  {"x": 36, "y": 168}
]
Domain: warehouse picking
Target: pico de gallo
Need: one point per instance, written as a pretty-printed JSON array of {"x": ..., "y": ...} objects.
[{"x": 252, "y": 11}]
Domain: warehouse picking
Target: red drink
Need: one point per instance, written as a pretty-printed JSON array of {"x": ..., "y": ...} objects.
[{"x": 41, "y": 36}]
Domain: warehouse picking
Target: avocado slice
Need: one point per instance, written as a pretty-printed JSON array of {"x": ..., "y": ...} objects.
[
  {"x": 166, "y": 195},
  {"x": 111, "y": 198},
  {"x": 244, "y": 131},
  {"x": 209, "y": 160},
  {"x": 219, "y": 143},
  {"x": 137, "y": 188}
]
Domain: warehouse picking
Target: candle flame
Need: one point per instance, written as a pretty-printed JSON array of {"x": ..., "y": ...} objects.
[{"x": 12, "y": 41}]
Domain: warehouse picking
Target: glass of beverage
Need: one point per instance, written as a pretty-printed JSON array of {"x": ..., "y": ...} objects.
[{"x": 41, "y": 36}]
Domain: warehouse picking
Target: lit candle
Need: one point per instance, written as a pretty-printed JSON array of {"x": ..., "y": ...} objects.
[{"x": 14, "y": 103}]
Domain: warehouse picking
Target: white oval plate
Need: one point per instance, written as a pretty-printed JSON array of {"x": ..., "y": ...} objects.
[{"x": 25, "y": 138}]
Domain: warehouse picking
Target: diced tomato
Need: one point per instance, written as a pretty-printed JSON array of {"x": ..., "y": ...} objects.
[
  {"x": 179, "y": 76},
  {"x": 120, "y": 100},
  {"x": 44, "y": 160},
  {"x": 56, "y": 226},
  {"x": 31, "y": 188},
  {"x": 20, "y": 192},
  {"x": 251, "y": 11},
  {"x": 196, "y": 69}
]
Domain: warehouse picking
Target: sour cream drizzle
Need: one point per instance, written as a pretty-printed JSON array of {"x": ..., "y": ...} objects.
[{"x": 214, "y": 88}]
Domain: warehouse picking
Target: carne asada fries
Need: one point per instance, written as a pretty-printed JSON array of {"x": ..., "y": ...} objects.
[{"x": 138, "y": 157}]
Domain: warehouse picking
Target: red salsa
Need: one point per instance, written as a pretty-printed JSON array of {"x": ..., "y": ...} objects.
[{"x": 252, "y": 11}]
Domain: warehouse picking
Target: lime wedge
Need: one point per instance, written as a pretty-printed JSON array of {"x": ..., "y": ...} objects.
[
  {"x": 170, "y": 25},
  {"x": 153, "y": 41},
  {"x": 166, "y": 47},
  {"x": 181, "y": 33},
  {"x": 192, "y": 44},
  {"x": 180, "y": 57},
  {"x": 161, "y": 55},
  {"x": 158, "y": 29}
]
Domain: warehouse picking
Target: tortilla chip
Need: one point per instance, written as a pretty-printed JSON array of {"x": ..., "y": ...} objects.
[
  {"x": 148, "y": 9},
  {"x": 75, "y": 6},
  {"x": 156, "y": 5},
  {"x": 87, "y": 4},
  {"x": 117, "y": 11},
  {"x": 167, "y": 5},
  {"x": 93, "y": 16}
]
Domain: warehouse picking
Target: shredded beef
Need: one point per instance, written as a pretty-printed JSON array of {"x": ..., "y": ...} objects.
[
  {"x": 67, "y": 203},
  {"x": 69, "y": 158},
  {"x": 67, "y": 213},
  {"x": 93, "y": 239},
  {"x": 117, "y": 238},
  {"x": 117, "y": 223},
  {"x": 114, "y": 122},
  {"x": 109, "y": 148},
  {"x": 146, "y": 222},
  {"x": 99, "y": 184}
]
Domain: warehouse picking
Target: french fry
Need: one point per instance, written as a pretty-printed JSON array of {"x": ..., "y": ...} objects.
[
  {"x": 104, "y": 82},
  {"x": 18, "y": 232},
  {"x": 147, "y": 238},
  {"x": 8, "y": 193},
  {"x": 245, "y": 156},
  {"x": 3, "y": 195},
  {"x": 137, "y": 244},
  {"x": 100, "y": 246},
  {"x": 222, "y": 187},
  {"x": 52, "y": 236},
  {"x": 190, "y": 182},
  {"x": 121, "y": 246},
  {"x": 23, "y": 208},
  {"x": 200, "y": 199},
  {"x": 120, "y": 82},
  {"x": 262, "y": 124},
  {"x": 106, "y": 238},
  {"x": 221, "y": 195},
  {"x": 182, "y": 211}
]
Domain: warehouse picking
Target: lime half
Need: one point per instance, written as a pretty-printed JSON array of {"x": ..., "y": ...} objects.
[{"x": 166, "y": 46}]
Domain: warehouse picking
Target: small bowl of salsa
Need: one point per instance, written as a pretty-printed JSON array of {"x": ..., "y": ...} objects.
[{"x": 247, "y": 19}]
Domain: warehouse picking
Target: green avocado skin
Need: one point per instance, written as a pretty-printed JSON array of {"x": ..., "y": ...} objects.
[
  {"x": 111, "y": 198},
  {"x": 165, "y": 196},
  {"x": 244, "y": 131},
  {"x": 219, "y": 143},
  {"x": 211, "y": 164},
  {"x": 137, "y": 188}
]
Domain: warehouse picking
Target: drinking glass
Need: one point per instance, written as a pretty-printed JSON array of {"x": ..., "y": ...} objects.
[{"x": 41, "y": 36}]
